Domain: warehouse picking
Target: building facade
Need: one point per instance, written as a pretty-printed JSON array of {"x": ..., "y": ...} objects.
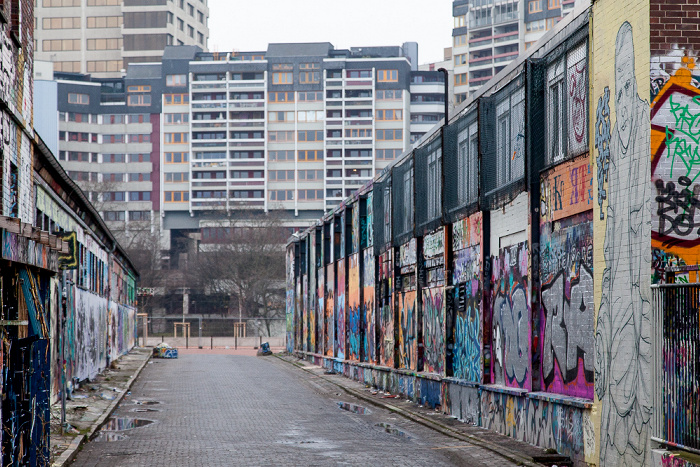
[
  {"x": 201, "y": 137},
  {"x": 102, "y": 37},
  {"x": 489, "y": 34}
]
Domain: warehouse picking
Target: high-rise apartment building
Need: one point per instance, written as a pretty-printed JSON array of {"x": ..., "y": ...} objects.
[
  {"x": 489, "y": 34},
  {"x": 200, "y": 137},
  {"x": 102, "y": 37}
]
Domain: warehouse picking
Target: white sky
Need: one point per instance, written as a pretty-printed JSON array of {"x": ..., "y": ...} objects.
[{"x": 247, "y": 25}]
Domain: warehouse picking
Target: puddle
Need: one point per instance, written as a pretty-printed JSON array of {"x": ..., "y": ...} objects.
[
  {"x": 140, "y": 402},
  {"x": 393, "y": 431},
  {"x": 121, "y": 424},
  {"x": 353, "y": 408},
  {"x": 145, "y": 409},
  {"x": 109, "y": 437}
]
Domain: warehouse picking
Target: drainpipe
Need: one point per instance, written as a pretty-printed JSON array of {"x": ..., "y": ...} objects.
[{"x": 447, "y": 93}]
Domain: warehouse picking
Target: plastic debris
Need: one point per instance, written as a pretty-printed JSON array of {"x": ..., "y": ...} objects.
[{"x": 164, "y": 350}]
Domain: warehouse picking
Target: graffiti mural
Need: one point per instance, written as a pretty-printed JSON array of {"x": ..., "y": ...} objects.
[
  {"x": 408, "y": 345},
  {"x": 329, "y": 320},
  {"x": 354, "y": 305},
  {"x": 566, "y": 190},
  {"x": 510, "y": 327},
  {"x": 289, "y": 298},
  {"x": 434, "y": 330},
  {"x": 341, "y": 333},
  {"x": 567, "y": 317},
  {"x": 306, "y": 315},
  {"x": 369, "y": 340},
  {"x": 386, "y": 309},
  {"x": 623, "y": 335}
]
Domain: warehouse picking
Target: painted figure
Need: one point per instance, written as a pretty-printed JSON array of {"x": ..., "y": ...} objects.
[{"x": 623, "y": 347}]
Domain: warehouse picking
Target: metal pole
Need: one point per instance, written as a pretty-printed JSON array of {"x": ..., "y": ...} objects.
[
  {"x": 212, "y": 342},
  {"x": 200, "y": 332},
  {"x": 447, "y": 93},
  {"x": 64, "y": 306}
]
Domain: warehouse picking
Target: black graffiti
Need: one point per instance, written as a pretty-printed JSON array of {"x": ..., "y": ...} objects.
[{"x": 677, "y": 207}]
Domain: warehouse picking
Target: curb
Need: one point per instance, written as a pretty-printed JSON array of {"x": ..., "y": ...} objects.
[
  {"x": 502, "y": 451},
  {"x": 69, "y": 454}
]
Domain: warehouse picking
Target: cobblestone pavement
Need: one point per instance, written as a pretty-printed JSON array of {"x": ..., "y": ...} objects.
[{"x": 223, "y": 410}]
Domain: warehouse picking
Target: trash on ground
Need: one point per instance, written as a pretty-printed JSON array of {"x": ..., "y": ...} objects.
[
  {"x": 164, "y": 350},
  {"x": 264, "y": 349}
]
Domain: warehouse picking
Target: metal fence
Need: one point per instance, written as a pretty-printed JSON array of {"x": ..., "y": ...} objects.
[{"x": 676, "y": 366}]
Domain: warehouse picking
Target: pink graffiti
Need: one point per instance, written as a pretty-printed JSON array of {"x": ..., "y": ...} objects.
[{"x": 577, "y": 93}]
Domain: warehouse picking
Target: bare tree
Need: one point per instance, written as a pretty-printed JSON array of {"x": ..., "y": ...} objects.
[{"x": 246, "y": 262}]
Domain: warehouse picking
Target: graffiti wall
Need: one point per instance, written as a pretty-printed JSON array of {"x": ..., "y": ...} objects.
[
  {"x": 566, "y": 275},
  {"x": 623, "y": 230},
  {"x": 329, "y": 319},
  {"x": 341, "y": 320},
  {"x": 433, "y": 300},
  {"x": 510, "y": 327},
  {"x": 306, "y": 318},
  {"x": 89, "y": 346},
  {"x": 320, "y": 310},
  {"x": 385, "y": 308},
  {"x": 369, "y": 340},
  {"x": 406, "y": 285},
  {"x": 466, "y": 279},
  {"x": 548, "y": 424},
  {"x": 290, "y": 284},
  {"x": 354, "y": 305}
]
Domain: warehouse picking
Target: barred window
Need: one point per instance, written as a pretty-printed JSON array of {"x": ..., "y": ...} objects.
[
  {"x": 510, "y": 138},
  {"x": 467, "y": 171}
]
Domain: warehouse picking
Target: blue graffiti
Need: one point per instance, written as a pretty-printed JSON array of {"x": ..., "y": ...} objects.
[{"x": 467, "y": 345}]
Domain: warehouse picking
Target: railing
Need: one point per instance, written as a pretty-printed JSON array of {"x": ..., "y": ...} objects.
[{"x": 676, "y": 365}]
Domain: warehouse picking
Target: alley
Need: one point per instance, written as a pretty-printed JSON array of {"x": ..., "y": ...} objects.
[{"x": 239, "y": 410}]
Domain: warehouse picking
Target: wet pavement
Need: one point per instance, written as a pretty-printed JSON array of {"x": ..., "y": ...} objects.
[{"x": 222, "y": 410}]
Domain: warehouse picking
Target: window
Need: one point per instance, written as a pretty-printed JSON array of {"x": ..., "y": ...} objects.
[
  {"x": 280, "y": 156},
  {"x": 334, "y": 173},
  {"x": 113, "y": 216},
  {"x": 387, "y": 76},
  {"x": 62, "y": 23},
  {"x": 310, "y": 175},
  {"x": 534, "y": 26},
  {"x": 281, "y": 195},
  {"x": 139, "y": 216},
  {"x": 104, "y": 44},
  {"x": 460, "y": 79},
  {"x": 510, "y": 138},
  {"x": 176, "y": 177},
  {"x": 389, "y": 95},
  {"x": 282, "y": 67},
  {"x": 176, "y": 157},
  {"x": 280, "y": 117},
  {"x": 310, "y": 135},
  {"x": 554, "y": 4},
  {"x": 246, "y": 154},
  {"x": 210, "y": 175},
  {"x": 68, "y": 67},
  {"x": 390, "y": 114},
  {"x": 113, "y": 158},
  {"x": 138, "y": 118},
  {"x": 389, "y": 135},
  {"x": 200, "y": 16},
  {"x": 139, "y": 177},
  {"x": 551, "y": 22},
  {"x": 175, "y": 138},
  {"x": 110, "y": 119},
  {"x": 556, "y": 103},
  {"x": 282, "y": 78},
  {"x": 102, "y": 66},
  {"x": 116, "y": 196},
  {"x": 467, "y": 160},
  {"x": 280, "y": 175},
  {"x": 190, "y": 10},
  {"x": 311, "y": 96},
  {"x": 136, "y": 100},
  {"x": 139, "y": 196},
  {"x": 181, "y": 25},
  {"x": 81, "y": 99},
  {"x": 534, "y": 6},
  {"x": 460, "y": 40},
  {"x": 176, "y": 118},
  {"x": 309, "y": 77},
  {"x": 309, "y": 66},
  {"x": 112, "y": 177},
  {"x": 210, "y": 155},
  {"x": 254, "y": 194},
  {"x": 358, "y": 133},
  {"x": 358, "y": 73},
  {"x": 113, "y": 139},
  {"x": 310, "y": 156},
  {"x": 190, "y": 31},
  {"x": 200, "y": 38},
  {"x": 176, "y": 196},
  {"x": 176, "y": 99},
  {"x": 139, "y": 158},
  {"x": 102, "y": 22},
  {"x": 61, "y": 44},
  {"x": 176, "y": 80},
  {"x": 388, "y": 154},
  {"x": 281, "y": 97},
  {"x": 140, "y": 138},
  {"x": 460, "y": 21},
  {"x": 310, "y": 195},
  {"x": 280, "y": 136},
  {"x": 310, "y": 116}
]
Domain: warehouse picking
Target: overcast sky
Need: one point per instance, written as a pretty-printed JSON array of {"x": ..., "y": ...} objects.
[{"x": 247, "y": 25}]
